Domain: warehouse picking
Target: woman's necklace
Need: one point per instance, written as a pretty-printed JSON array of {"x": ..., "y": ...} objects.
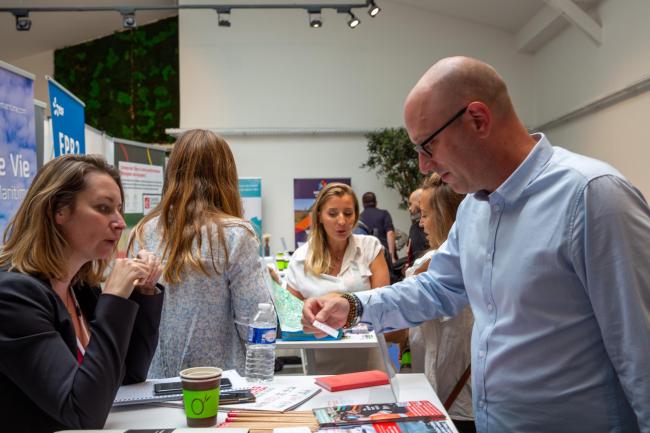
[{"x": 73, "y": 306}]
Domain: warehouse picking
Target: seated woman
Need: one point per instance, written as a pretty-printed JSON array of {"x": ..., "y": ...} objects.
[
  {"x": 210, "y": 255},
  {"x": 441, "y": 347},
  {"x": 336, "y": 261},
  {"x": 65, "y": 345}
]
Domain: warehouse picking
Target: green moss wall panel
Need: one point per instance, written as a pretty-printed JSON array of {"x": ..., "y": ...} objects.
[{"x": 129, "y": 80}]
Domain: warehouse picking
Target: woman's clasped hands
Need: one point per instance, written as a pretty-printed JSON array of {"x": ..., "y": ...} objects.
[{"x": 140, "y": 273}]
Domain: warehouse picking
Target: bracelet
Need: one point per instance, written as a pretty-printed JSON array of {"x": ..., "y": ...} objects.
[{"x": 356, "y": 309}]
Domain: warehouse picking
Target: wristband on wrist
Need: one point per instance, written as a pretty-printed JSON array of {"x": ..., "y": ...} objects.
[{"x": 356, "y": 309}]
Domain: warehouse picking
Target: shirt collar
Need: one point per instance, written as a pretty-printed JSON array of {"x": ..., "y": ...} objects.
[
  {"x": 352, "y": 251},
  {"x": 527, "y": 171}
]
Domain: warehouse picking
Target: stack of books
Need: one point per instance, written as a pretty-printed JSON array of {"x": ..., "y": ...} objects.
[{"x": 402, "y": 417}]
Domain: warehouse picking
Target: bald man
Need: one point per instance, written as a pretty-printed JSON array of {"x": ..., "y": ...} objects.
[{"x": 552, "y": 251}]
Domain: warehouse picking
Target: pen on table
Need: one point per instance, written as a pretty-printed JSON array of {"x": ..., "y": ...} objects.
[
  {"x": 270, "y": 417},
  {"x": 258, "y": 414}
]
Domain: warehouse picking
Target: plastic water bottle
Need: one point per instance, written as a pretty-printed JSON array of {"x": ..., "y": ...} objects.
[{"x": 260, "y": 350}]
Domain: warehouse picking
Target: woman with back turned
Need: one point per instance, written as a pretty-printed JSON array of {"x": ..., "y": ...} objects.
[
  {"x": 65, "y": 345},
  {"x": 210, "y": 255}
]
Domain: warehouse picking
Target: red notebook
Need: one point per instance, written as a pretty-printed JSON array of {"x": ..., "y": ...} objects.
[{"x": 361, "y": 379}]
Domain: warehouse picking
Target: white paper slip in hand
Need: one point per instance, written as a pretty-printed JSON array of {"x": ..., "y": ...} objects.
[{"x": 326, "y": 328}]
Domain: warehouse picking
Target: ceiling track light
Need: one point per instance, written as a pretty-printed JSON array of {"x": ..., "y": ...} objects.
[
  {"x": 23, "y": 22},
  {"x": 223, "y": 17},
  {"x": 128, "y": 19},
  {"x": 315, "y": 19},
  {"x": 354, "y": 21},
  {"x": 373, "y": 9}
]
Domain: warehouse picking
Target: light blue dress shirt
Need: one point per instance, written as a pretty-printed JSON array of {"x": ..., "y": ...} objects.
[{"x": 556, "y": 266}]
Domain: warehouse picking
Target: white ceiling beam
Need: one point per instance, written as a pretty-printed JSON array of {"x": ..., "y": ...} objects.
[
  {"x": 578, "y": 17},
  {"x": 539, "y": 30}
]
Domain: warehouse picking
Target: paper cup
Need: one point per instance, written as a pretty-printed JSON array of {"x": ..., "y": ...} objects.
[{"x": 201, "y": 395}]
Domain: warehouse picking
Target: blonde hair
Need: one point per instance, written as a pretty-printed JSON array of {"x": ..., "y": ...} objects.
[
  {"x": 444, "y": 202},
  {"x": 33, "y": 242},
  {"x": 319, "y": 260},
  {"x": 201, "y": 189}
]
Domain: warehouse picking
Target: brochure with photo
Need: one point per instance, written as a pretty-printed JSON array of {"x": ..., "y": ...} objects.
[{"x": 357, "y": 414}]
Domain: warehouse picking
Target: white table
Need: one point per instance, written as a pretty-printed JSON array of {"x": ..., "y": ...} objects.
[
  {"x": 411, "y": 387},
  {"x": 348, "y": 341}
]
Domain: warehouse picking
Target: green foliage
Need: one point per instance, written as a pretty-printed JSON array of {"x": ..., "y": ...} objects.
[
  {"x": 129, "y": 80},
  {"x": 392, "y": 156}
]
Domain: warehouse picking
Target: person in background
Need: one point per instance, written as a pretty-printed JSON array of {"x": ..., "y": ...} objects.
[
  {"x": 65, "y": 344},
  {"x": 417, "y": 243},
  {"x": 210, "y": 256},
  {"x": 441, "y": 347},
  {"x": 379, "y": 223},
  {"x": 550, "y": 249},
  {"x": 334, "y": 261}
]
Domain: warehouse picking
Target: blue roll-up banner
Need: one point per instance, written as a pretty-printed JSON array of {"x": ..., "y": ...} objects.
[
  {"x": 250, "y": 190},
  {"x": 17, "y": 139},
  {"x": 68, "y": 120}
]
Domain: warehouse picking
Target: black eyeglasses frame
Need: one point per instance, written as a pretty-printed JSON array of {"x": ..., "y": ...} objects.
[{"x": 419, "y": 148}]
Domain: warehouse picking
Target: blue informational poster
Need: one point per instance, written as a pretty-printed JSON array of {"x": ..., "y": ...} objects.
[
  {"x": 68, "y": 118},
  {"x": 17, "y": 139},
  {"x": 250, "y": 190}
]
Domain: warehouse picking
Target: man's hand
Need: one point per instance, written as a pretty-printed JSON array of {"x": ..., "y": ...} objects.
[{"x": 328, "y": 309}]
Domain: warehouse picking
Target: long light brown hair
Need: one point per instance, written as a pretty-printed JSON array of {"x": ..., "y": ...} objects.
[
  {"x": 33, "y": 243},
  {"x": 319, "y": 259},
  {"x": 444, "y": 203},
  {"x": 201, "y": 191}
]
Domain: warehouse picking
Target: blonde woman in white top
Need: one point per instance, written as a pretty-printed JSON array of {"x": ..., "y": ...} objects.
[{"x": 335, "y": 261}]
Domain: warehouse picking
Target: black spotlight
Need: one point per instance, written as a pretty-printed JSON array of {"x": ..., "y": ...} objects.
[
  {"x": 223, "y": 18},
  {"x": 128, "y": 20},
  {"x": 23, "y": 22},
  {"x": 315, "y": 19},
  {"x": 354, "y": 21},
  {"x": 373, "y": 10}
]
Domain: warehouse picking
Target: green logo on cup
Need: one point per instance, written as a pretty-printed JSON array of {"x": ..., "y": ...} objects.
[{"x": 201, "y": 404}]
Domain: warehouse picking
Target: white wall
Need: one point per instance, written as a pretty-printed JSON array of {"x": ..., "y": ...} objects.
[
  {"x": 280, "y": 159},
  {"x": 40, "y": 65},
  {"x": 572, "y": 71},
  {"x": 270, "y": 69}
]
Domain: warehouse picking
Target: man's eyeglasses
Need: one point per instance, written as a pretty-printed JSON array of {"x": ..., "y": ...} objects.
[{"x": 419, "y": 148}]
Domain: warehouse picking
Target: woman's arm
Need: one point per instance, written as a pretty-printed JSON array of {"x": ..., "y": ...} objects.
[
  {"x": 295, "y": 293},
  {"x": 40, "y": 361},
  {"x": 379, "y": 269},
  {"x": 247, "y": 286},
  {"x": 144, "y": 337}
]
